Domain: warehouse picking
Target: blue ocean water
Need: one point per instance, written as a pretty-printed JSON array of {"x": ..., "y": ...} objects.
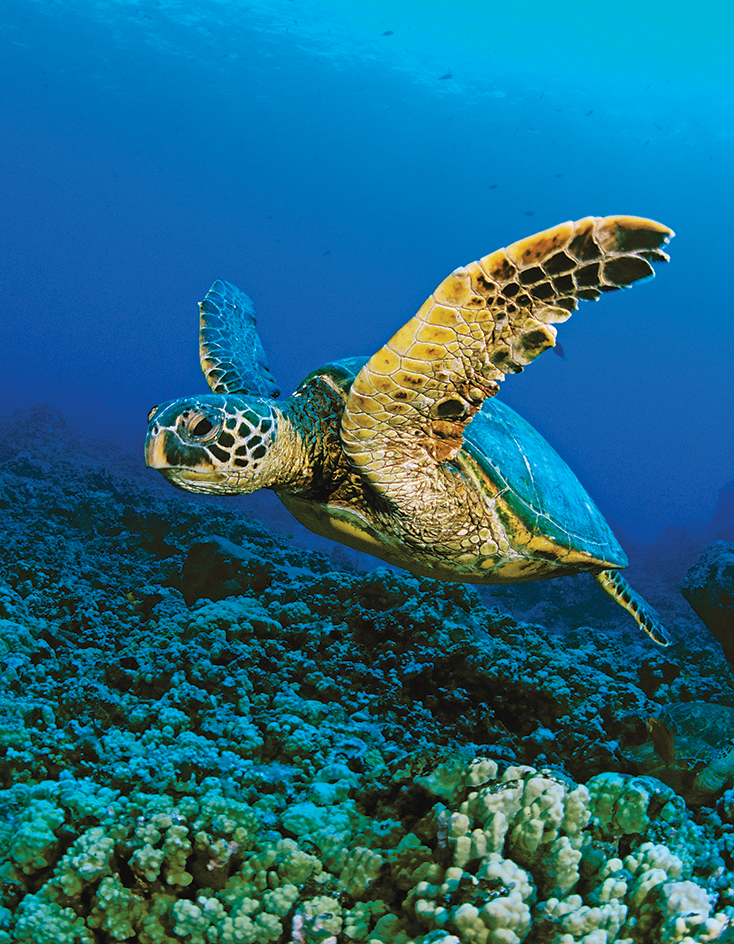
[{"x": 336, "y": 160}]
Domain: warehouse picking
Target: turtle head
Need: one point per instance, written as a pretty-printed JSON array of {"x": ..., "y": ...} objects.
[{"x": 222, "y": 444}]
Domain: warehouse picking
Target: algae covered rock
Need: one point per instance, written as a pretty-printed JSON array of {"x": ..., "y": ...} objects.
[
  {"x": 709, "y": 588},
  {"x": 690, "y": 747},
  {"x": 217, "y": 568}
]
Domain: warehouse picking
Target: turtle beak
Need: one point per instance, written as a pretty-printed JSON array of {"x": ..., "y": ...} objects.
[{"x": 155, "y": 455}]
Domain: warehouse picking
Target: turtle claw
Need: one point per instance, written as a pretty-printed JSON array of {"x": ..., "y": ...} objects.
[{"x": 656, "y": 633}]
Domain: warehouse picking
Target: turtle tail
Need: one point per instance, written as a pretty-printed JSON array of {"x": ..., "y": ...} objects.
[{"x": 613, "y": 583}]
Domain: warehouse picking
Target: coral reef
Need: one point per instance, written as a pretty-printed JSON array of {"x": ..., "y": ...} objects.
[{"x": 272, "y": 749}]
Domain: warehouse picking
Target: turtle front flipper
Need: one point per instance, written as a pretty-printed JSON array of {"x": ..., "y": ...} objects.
[
  {"x": 409, "y": 405},
  {"x": 230, "y": 349},
  {"x": 613, "y": 583}
]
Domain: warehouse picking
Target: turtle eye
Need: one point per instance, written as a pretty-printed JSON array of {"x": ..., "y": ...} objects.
[{"x": 200, "y": 427}]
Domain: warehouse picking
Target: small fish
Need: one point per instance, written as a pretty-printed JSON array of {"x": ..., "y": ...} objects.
[
  {"x": 529, "y": 213},
  {"x": 494, "y": 186},
  {"x": 558, "y": 349},
  {"x": 659, "y": 127},
  {"x": 447, "y": 76},
  {"x": 327, "y": 253},
  {"x": 387, "y": 33},
  {"x": 589, "y": 113},
  {"x": 662, "y": 740},
  {"x": 559, "y": 175}
]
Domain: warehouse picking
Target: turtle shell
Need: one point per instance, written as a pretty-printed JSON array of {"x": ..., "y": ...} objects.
[
  {"x": 536, "y": 493},
  {"x": 538, "y": 488}
]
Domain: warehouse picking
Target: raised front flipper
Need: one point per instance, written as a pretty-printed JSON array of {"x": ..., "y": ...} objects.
[
  {"x": 613, "y": 583},
  {"x": 230, "y": 350},
  {"x": 409, "y": 405}
]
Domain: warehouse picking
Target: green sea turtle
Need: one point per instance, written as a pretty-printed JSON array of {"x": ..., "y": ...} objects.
[
  {"x": 690, "y": 746},
  {"x": 406, "y": 455}
]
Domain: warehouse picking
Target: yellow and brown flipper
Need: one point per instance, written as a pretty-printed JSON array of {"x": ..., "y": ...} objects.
[
  {"x": 613, "y": 583},
  {"x": 416, "y": 395}
]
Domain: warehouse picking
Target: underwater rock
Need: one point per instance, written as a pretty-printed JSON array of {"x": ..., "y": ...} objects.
[
  {"x": 722, "y": 521},
  {"x": 216, "y": 568},
  {"x": 709, "y": 588}
]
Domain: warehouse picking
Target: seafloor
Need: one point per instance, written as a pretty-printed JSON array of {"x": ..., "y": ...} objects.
[{"x": 211, "y": 735}]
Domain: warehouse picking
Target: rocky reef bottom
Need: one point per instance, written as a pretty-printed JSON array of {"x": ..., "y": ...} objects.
[{"x": 267, "y": 748}]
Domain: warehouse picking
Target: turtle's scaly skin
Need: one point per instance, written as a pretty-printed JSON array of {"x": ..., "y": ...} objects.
[
  {"x": 613, "y": 583},
  {"x": 230, "y": 349},
  {"x": 383, "y": 456},
  {"x": 409, "y": 406}
]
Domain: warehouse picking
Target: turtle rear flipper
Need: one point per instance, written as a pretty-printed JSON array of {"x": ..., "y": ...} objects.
[
  {"x": 230, "y": 349},
  {"x": 613, "y": 583}
]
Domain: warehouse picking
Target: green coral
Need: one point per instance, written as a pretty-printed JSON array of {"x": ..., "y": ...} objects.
[
  {"x": 35, "y": 842},
  {"x": 496, "y": 859},
  {"x": 87, "y": 860},
  {"x": 115, "y": 909},
  {"x": 523, "y": 837},
  {"x": 40, "y": 921}
]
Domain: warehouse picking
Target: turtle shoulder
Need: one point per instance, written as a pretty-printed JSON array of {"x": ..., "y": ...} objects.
[
  {"x": 352, "y": 513},
  {"x": 338, "y": 374},
  {"x": 533, "y": 485}
]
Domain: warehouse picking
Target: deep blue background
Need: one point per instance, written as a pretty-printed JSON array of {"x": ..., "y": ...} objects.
[{"x": 149, "y": 148}]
